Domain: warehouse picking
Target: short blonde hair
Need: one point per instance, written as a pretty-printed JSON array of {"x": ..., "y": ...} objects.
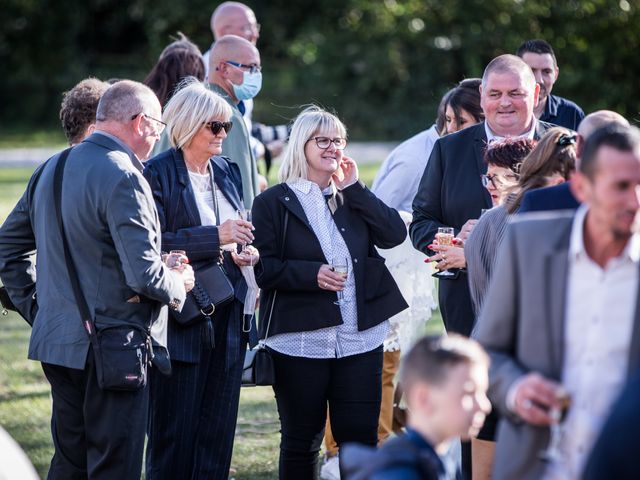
[
  {"x": 312, "y": 121},
  {"x": 192, "y": 105}
]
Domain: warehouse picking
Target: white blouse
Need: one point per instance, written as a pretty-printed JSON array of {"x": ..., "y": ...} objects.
[{"x": 345, "y": 339}]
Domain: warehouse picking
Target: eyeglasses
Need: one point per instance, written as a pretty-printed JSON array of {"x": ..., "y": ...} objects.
[
  {"x": 498, "y": 180},
  {"x": 253, "y": 68},
  {"x": 160, "y": 125},
  {"x": 216, "y": 126},
  {"x": 325, "y": 142}
]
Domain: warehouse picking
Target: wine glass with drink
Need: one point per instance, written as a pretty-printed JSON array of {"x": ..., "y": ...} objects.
[
  {"x": 341, "y": 267},
  {"x": 444, "y": 238},
  {"x": 244, "y": 214},
  {"x": 558, "y": 414}
]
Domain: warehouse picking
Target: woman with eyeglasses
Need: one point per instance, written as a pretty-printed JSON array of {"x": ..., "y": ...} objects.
[
  {"x": 551, "y": 162},
  {"x": 326, "y": 293},
  {"x": 503, "y": 160},
  {"x": 199, "y": 199}
]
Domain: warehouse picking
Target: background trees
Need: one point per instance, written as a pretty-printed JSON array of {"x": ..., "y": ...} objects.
[{"x": 382, "y": 65}]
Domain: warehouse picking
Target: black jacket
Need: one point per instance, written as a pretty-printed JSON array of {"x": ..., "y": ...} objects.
[{"x": 301, "y": 305}]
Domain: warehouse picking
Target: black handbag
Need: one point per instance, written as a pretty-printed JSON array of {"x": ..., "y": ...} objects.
[
  {"x": 122, "y": 352},
  {"x": 212, "y": 290},
  {"x": 258, "y": 366}
]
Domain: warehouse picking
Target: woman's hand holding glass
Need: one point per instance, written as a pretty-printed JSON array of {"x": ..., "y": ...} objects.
[
  {"x": 235, "y": 231},
  {"x": 328, "y": 279},
  {"x": 248, "y": 257},
  {"x": 346, "y": 174},
  {"x": 447, "y": 256}
]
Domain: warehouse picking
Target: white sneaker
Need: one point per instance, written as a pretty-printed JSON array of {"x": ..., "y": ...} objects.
[{"x": 330, "y": 469}]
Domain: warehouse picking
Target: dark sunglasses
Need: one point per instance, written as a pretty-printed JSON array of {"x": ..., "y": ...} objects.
[{"x": 217, "y": 126}]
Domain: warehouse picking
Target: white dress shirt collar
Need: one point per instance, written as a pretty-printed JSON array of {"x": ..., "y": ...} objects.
[
  {"x": 492, "y": 137},
  {"x": 576, "y": 246}
]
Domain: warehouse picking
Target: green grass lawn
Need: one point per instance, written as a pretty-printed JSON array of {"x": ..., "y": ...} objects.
[{"x": 25, "y": 402}]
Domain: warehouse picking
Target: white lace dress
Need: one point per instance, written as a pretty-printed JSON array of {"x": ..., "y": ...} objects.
[{"x": 413, "y": 276}]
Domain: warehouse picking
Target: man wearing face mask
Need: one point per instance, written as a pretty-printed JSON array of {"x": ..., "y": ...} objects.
[{"x": 234, "y": 73}]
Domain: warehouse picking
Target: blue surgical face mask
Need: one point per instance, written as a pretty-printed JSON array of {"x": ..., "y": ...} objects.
[{"x": 250, "y": 86}]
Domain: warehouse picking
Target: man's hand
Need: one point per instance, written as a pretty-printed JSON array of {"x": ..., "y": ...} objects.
[
  {"x": 465, "y": 231},
  {"x": 535, "y": 396},
  {"x": 185, "y": 272}
]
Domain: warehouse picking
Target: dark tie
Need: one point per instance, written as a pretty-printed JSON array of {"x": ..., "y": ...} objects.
[{"x": 241, "y": 107}]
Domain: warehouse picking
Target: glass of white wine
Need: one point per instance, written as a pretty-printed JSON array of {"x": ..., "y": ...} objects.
[
  {"x": 244, "y": 214},
  {"x": 340, "y": 266},
  {"x": 553, "y": 452},
  {"x": 445, "y": 238}
]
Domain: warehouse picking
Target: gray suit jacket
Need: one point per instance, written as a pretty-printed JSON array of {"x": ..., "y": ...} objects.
[
  {"x": 113, "y": 230},
  {"x": 522, "y": 326}
]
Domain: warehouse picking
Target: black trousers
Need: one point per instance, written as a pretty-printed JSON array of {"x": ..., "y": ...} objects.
[
  {"x": 193, "y": 412},
  {"x": 351, "y": 386},
  {"x": 97, "y": 434}
]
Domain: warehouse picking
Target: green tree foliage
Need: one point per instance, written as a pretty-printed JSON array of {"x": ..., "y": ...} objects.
[{"x": 381, "y": 64}]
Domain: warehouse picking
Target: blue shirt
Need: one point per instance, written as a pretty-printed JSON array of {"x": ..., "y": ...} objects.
[{"x": 562, "y": 112}]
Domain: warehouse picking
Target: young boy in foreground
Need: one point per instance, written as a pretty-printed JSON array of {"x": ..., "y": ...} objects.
[{"x": 445, "y": 381}]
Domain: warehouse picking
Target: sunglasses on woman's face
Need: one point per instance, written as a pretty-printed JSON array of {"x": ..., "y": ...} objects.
[{"x": 217, "y": 126}]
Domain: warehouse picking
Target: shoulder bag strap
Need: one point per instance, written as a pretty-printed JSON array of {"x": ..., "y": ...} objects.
[
  {"x": 81, "y": 302},
  {"x": 275, "y": 292}
]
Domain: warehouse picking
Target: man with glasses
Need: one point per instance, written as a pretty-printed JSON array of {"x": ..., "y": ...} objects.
[
  {"x": 451, "y": 192},
  {"x": 234, "y": 73},
  {"x": 111, "y": 224},
  {"x": 235, "y": 18}
]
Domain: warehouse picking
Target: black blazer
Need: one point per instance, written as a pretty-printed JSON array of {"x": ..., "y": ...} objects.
[
  {"x": 558, "y": 197},
  {"x": 181, "y": 228},
  {"x": 301, "y": 305}
]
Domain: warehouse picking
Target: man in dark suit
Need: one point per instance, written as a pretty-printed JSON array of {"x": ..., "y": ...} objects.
[
  {"x": 561, "y": 321},
  {"x": 560, "y": 197},
  {"x": 539, "y": 55},
  {"x": 112, "y": 228},
  {"x": 451, "y": 193}
]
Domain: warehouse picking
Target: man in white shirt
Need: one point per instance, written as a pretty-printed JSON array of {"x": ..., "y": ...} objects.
[{"x": 561, "y": 317}]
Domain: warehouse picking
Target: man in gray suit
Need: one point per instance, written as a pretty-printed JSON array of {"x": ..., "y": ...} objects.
[
  {"x": 112, "y": 228},
  {"x": 561, "y": 320}
]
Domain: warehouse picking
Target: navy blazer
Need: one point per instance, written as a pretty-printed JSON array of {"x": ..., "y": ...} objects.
[
  {"x": 558, "y": 197},
  {"x": 301, "y": 305},
  {"x": 615, "y": 453},
  {"x": 181, "y": 228}
]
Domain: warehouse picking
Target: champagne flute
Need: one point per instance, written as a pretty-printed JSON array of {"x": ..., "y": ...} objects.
[
  {"x": 244, "y": 214},
  {"x": 559, "y": 414},
  {"x": 340, "y": 266},
  {"x": 445, "y": 238}
]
